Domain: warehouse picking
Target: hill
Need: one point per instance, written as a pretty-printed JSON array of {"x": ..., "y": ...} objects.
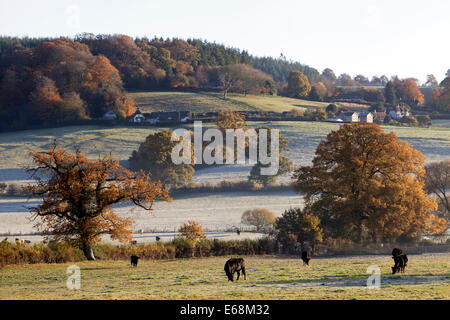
[{"x": 213, "y": 102}]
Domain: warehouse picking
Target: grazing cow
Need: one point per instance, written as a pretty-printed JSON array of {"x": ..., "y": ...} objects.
[
  {"x": 27, "y": 241},
  {"x": 134, "y": 242},
  {"x": 238, "y": 232},
  {"x": 306, "y": 254},
  {"x": 134, "y": 261},
  {"x": 235, "y": 265},
  {"x": 400, "y": 263},
  {"x": 396, "y": 252},
  {"x": 158, "y": 238}
]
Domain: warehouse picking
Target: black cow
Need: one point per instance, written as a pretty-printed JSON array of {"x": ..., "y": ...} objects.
[
  {"x": 235, "y": 265},
  {"x": 396, "y": 252},
  {"x": 400, "y": 263},
  {"x": 134, "y": 261},
  {"x": 306, "y": 254}
]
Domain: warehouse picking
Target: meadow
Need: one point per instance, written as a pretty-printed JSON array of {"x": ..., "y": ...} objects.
[
  {"x": 121, "y": 141},
  {"x": 268, "y": 277},
  {"x": 213, "y": 102}
]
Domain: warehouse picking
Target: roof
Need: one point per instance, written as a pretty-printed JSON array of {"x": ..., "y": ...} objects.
[{"x": 351, "y": 113}]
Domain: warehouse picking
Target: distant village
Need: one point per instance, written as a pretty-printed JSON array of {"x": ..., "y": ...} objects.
[{"x": 344, "y": 115}]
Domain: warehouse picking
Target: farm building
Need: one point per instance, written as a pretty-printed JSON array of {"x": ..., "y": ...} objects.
[
  {"x": 399, "y": 112},
  {"x": 137, "y": 117},
  {"x": 349, "y": 116},
  {"x": 365, "y": 117},
  {"x": 175, "y": 116},
  {"x": 110, "y": 115}
]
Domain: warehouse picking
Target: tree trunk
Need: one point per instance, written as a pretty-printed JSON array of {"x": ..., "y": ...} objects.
[
  {"x": 225, "y": 92},
  {"x": 88, "y": 252}
]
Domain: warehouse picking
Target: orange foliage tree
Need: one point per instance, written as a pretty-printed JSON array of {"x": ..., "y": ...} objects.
[
  {"x": 363, "y": 180},
  {"x": 45, "y": 99},
  {"x": 408, "y": 90},
  {"x": 78, "y": 195},
  {"x": 192, "y": 230},
  {"x": 230, "y": 120}
]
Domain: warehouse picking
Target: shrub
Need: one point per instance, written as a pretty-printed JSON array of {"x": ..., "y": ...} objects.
[
  {"x": 192, "y": 230},
  {"x": 262, "y": 219}
]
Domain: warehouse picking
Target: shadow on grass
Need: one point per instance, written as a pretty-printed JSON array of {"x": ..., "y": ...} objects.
[{"x": 361, "y": 280}]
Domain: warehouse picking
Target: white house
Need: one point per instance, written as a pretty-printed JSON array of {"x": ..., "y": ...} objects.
[
  {"x": 349, "y": 116},
  {"x": 365, "y": 117},
  {"x": 137, "y": 117},
  {"x": 399, "y": 112}
]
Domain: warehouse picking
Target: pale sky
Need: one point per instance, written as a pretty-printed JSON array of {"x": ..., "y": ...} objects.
[{"x": 408, "y": 38}]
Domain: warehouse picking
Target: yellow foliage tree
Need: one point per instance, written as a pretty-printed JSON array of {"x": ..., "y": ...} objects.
[{"x": 192, "y": 230}]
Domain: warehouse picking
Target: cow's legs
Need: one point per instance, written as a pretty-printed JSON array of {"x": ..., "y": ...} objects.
[
  {"x": 243, "y": 272},
  {"x": 238, "y": 274}
]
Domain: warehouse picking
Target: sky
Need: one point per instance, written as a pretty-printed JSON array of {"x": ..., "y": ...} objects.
[{"x": 408, "y": 38}]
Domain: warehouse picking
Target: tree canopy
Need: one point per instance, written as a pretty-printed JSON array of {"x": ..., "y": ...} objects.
[
  {"x": 78, "y": 195},
  {"x": 363, "y": 180}
]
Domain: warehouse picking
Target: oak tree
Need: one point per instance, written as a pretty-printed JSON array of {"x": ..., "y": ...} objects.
[
  {"x": 363, "y": 180},
  {"x": 78, "y": 195}
]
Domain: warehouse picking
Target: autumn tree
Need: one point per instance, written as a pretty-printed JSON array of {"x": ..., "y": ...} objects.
[
  {"x": 363, "y": 180},
  {"x": 45, "y": 99},
  {"x": 408, "y": 90},
  {"x": 262, "y": 219},
  {"x": 192, "y": 230},
  {"x": 318, "y": 91},
  {"x": 298, "y": 85},
  {"x": 230, "y": 120},
  {"x": 154, "y": 156},
  {"x": 72, "y": 107},
  {"x": 78, "y": 195}
]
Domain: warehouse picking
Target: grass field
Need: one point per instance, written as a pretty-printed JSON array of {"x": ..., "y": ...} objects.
[
  {"x": 214, "y": 211},
  {"x": 268, "y": 277},
  {"x": 303, "y": 139},
  {"x": 213, "y": 102},
  {"x": 211, "y": 210}
]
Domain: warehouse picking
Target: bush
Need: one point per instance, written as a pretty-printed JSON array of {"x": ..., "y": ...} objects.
[
  {"x": 192, "y": 230},
  {"x": 260, "y": 218}
]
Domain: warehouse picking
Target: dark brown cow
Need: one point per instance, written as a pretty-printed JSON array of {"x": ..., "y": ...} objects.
[
  {"x": 396, "y": 252},
  {"x": 235, "y": 265},
  {"x": 134, "y": 261},
  {"x": 400, "y": 263},
  {"x": 306, "y": 256}
]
